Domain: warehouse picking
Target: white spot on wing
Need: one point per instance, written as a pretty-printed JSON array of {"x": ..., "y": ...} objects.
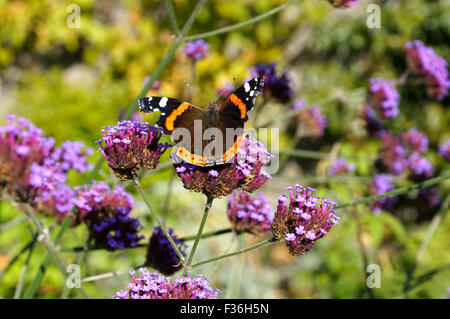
[
  {"x": 247, "y": 87},
  {"x": 163, "y": 102},
  {"x": 252, "y": 92}
]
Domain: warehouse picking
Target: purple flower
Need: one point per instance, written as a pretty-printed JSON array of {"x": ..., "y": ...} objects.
[
  {"x": 444, "y": 150},
  {"x": 344, "y": 4},
  {"x": 312, "y": 122},
  {"x": 384, "y": 96},
  {"x": 393, "y": 154},
  {"x": 340, "y": 166},
  {"x": 249, "y": 214},
  {"x": 155, "y": 86},
  {"x": 304, "y": 220},
  {"x": 421, "y": 169},
  {"x": 432, "y": 68},
  {"x": 415, "y": 141},
  {"x": 130, "y": 146},
  {"x": 107, "y": 213},
  {"x": 373, "y": 125},
  {"x": 226, "y": 89},
  {"x": 276, "y": 87},
  {"x": 32, "y": 170},
  {"x": 60, "y": 200},
  {"x": 429, "y": 197},
  {"x": 197, "y": 50},
  {"x": 160, "y": 253},
  {"x": 152, "y": 285},
  {"x": 381, "y": 184},
  {"x": 245, "y": 172}
]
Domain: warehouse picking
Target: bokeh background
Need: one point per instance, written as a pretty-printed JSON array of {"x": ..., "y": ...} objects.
[{"x": 72, "y": 82}]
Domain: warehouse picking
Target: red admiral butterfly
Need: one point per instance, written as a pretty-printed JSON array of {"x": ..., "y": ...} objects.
[{"x": 224, "y": 123}]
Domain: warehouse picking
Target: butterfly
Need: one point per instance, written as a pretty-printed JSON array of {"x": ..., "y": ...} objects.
[{"x": 205, "y": 137}]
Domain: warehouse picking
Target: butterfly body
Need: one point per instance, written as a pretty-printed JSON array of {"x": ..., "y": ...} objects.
[{"x": 205, "y": 137}]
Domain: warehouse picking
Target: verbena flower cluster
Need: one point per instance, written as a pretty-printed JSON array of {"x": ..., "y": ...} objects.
[
  {"x": 249, "y": 214},
  {"x": 276, "y": 87},
  {"x": 382, "y": 183},
  {"x": 312, "y": 122},
  {"x": 34, "y": 171},
  {"x": 432, "y": 68},
  {"x": 245, "y": 172},
  {"x": 152, "y": 285},
  {"x": 344, "y": 4},
  {"x": 131, "y": 146},
  {"x": 340, "y": 166},
  {"x": 107, "y": 212},
  {"x": 384, "y": 97},
  {"x": 304, "y": 220},
  {"x": 444, "y": 150},
  {"x": 373, "y": 125},
  {"x": 197, "y": 50},
  {"x": 160, "y": 253}
]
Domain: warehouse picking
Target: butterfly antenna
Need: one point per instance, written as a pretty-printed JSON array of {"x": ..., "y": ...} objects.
[
  {"x": 194, "y": 89},
  {"x": 223, "y": 90}
]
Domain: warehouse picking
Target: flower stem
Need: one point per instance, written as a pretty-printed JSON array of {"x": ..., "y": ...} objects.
[
  {"x": 155, "y": 216},
  {"x": 399, "y": 191},
  {"x": 423, "y": 246},
  {"x": 199, "y": 234},
  {"x": 242, "y": 24},
  {"x": 172, "y": 17},
  {"x": 24, "y": 271},
  {"x": 242, "y": 251}
]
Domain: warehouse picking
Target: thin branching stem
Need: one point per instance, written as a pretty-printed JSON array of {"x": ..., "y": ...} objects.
[
  {"x": 155, "y": 216},
  {"x": 209, "y": 201}
]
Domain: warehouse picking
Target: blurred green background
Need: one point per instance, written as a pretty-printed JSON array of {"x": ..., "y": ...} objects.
[{"x": 73, "y": 81}]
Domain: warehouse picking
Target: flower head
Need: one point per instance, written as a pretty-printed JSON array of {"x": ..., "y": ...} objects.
[
  {"x": 344, "y": 4},
  {"x": 304, "y": 220},
  {"x": 444, "y": 150},
  {"x": 313, "y": 122},
  {"x": 340, "y": 166},
  {"x": 381, "y": 184},
  {"x": 276, "y": 87},
  {"x": 384, "y": 96},
  {"x": 373, "y": 125},
  {"x": 393, "y": 154},
  {"x": 420, "y": 168},
  {"x": 245, "y": 172},
  {"x": 415, "y": 140},
  {"x": 197, "y": 50},
  {"x": 151, "y": 285},
  {"x": 32, "y": 169},
  {"x": 249, "y": 214},
  {"x": 59, "y": 200},
  {"x": 130, "y": 146},
  {"x": 160, "y": 253},
  {"x": 107, "y": 213},
  {"x": 424, "y": 62}
]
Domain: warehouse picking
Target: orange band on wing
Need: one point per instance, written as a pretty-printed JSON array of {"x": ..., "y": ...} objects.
[
  {"x": 237, "y": 101},
  {"x": 191, "y": 158},
  {"x": 229, "y": 154},
  {"x": 170, "y": 120}
]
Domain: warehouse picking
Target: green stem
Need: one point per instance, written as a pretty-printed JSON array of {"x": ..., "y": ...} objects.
[
  {"x": 16, "y": 221},
  {"x": 24, "y": 271},
  {"x": 199, "y": 233},
  {"x": 109, "y": 274},
  {"x": 187, "y": 238},
  {"x": 399, "y": 191},
  {"x": 242, "y": 24},
  {"x": 242, "y": 251},
  {"x": 172, "y": 17},
  {"x": 155, "y": 216},
  {"x": 423, "y": 246},
  {"x": 17, "y": 256}
]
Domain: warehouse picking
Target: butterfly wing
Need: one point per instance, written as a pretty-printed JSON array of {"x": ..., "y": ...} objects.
[
  {"x": 174, "y": 113},
  {"x": 234, "y": 111},
  {"x": 233, "y": 114}
]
